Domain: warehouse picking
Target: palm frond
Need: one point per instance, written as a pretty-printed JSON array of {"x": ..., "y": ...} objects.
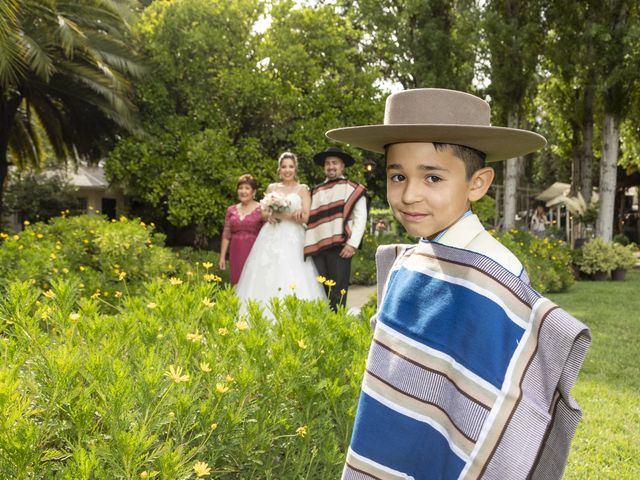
[
  {"x": 73, "y": 65},
  {"x": 38, "y": 59},
  {"x": 12, "y": 65},
  {"x": 25, "y": 144}
]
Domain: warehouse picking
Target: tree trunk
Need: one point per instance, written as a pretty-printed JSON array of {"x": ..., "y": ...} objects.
[
  {"x": 576, "y": 159},
  {"x": 512, "y": 169},
  {"x": 586, "y": 177},
  {"x": 608, "y": 168},
  {"x": 8, "y": 108}
]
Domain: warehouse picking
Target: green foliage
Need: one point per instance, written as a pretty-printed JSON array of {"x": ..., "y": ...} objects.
[
  {"x": 589, "y": 216},
  {"x": 546, "y": 261},
  {"x": 485, "y": 209},
  {"x": 65, "y": 77},
  {"x": 621, "y": 239},
  {"x": 98, "y": 255},
  {"x": 173, "y": 376},
  {"x": 623, "y": 256},
  {"x": 595, "y": 256},
  {"x": 226, "y": 99},
  {"x": 363, "y": 264},
  {"x": 420, "y": 44},
  {"x": 36, "y": 197}
]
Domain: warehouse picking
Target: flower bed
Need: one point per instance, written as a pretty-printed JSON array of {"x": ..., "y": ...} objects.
[{"x": 173, "y": 382}]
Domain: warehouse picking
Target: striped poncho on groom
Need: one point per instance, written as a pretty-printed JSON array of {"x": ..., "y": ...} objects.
[
  {"x": 331, "y": 205},
  {"x": 469, "y": 373}
]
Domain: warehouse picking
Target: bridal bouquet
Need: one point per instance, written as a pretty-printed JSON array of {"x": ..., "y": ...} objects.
[{"x": 276, "y": 202}]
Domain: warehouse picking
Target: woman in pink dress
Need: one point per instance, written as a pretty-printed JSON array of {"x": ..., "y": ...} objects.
[{"x": 241, "y": 227}]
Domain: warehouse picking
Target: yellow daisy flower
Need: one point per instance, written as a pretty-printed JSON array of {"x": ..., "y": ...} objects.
[
  {"x": 206, "y": 301},
  {"x": 242, "y": 325},
  {"x": 194, "y": 337},
  {"x": 202, "y": 469},
  {"x": 175, "y": 374}
]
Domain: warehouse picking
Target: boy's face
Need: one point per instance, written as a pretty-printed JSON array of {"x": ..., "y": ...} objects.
[{"x": 427, "y": 189}]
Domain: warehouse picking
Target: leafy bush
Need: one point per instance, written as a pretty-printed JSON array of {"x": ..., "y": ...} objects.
[
  {"x": 173, "y": 380},
  {"x": 198, "y": 257},
  {"x": 546, "y": 261},
  {"x": 103, "y": 256},
  {"x": 621, "y": 239},
  {"x": 595, "y": 256},
  {"x": 623, "y": 257},
  {"x": 485, "y": 209},
  {"x": 363, "y": 265},
  {"x": 36, "y": 197}
]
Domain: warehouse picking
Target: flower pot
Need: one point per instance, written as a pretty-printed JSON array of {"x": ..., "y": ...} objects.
[
  {"x": 597, "y": 276},
  {"x": 618, "y": 274}
]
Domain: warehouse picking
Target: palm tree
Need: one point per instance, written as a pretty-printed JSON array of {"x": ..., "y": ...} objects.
[{"x": 65, "y": 78}]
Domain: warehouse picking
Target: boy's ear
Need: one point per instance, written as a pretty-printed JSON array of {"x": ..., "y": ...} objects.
[{"x": 480, "y": 182}]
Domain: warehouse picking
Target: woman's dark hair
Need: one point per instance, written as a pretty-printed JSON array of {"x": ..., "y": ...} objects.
[{"x": 248, "y": 180}]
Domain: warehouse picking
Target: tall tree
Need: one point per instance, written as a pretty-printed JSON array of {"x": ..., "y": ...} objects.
[
  {"x": 65, "y": 78},
  {"x": 620, "y": 64},
  {"x": 514, "y": 32},
  {"x": 227, "y": 99},
  {"x": 429, "y": 43},
  {"x": 566, "y": 94}
]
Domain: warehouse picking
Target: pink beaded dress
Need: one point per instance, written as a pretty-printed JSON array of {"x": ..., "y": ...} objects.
[{"x": 241, "y": 233}]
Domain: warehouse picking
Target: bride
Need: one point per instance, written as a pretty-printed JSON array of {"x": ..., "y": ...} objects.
[{"x": 276, "y": 264}]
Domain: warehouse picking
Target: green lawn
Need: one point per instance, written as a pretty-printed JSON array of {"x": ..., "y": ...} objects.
[{"x": 607, "y": 443}]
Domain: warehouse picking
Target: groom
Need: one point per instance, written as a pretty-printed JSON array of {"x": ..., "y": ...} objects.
[{"x": 337, "y": 221}]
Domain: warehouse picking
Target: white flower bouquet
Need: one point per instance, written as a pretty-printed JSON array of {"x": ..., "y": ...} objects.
[{"x": 276, "y": 201}]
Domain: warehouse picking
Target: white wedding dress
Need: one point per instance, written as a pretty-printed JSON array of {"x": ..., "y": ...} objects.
[{"x": 276, "y": 266}]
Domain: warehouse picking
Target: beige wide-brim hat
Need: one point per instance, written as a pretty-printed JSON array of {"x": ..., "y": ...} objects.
[{"x": 443, "y": 116}]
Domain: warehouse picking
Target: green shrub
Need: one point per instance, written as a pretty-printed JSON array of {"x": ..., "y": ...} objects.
[
  {"x": 595, "y": 256},
  {"x": 194, "y": 257},
  {"x": 37, "y": 197},
  {"x": 621, "y": 239},
  {"x": 105, "y": 256},
  {"x": 174, "y": 376},
  {"x": 546, "y": 261},
  {"x": 623, "y": 257},
  {"x": 363, "y": 265}
]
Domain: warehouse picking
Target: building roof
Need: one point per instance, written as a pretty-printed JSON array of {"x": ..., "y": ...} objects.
[{"x": 82, "y": 176}]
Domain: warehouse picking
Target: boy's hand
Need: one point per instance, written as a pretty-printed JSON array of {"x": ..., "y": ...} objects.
[{"x": 347, "y": 251}]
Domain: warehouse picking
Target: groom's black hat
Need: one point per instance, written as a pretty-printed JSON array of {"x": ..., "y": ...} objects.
[{"x": 334, "y": 152}]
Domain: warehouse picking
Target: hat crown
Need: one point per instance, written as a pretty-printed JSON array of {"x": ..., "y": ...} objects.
[{"x": 436, "y": 106}]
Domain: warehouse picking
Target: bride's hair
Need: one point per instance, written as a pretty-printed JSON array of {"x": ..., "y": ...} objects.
[{"x": 292, "y": 157}]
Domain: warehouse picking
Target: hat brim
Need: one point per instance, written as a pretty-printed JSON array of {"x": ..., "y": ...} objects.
[
  {"x": 498, "y": 143},
  {"x": 319, "y": 158}
]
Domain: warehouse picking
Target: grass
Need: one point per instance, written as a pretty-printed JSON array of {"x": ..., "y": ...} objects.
[{"x": 607, "y": 443}]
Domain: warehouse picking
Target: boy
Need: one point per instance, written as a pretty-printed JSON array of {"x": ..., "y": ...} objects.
[{"x": 470, "y": 370}]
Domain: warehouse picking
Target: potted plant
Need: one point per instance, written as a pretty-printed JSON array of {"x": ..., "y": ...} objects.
[
  {"x": 595, "y": 259},
  {"x": 623, "y": 260}
]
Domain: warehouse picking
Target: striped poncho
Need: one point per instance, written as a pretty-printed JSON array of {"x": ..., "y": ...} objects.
[
  {"x": 469, "y": 374},
  {"x": 331, "y": 206}
]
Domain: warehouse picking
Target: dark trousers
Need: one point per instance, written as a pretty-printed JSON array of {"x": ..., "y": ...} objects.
[{"x": 332, "y": 266}]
